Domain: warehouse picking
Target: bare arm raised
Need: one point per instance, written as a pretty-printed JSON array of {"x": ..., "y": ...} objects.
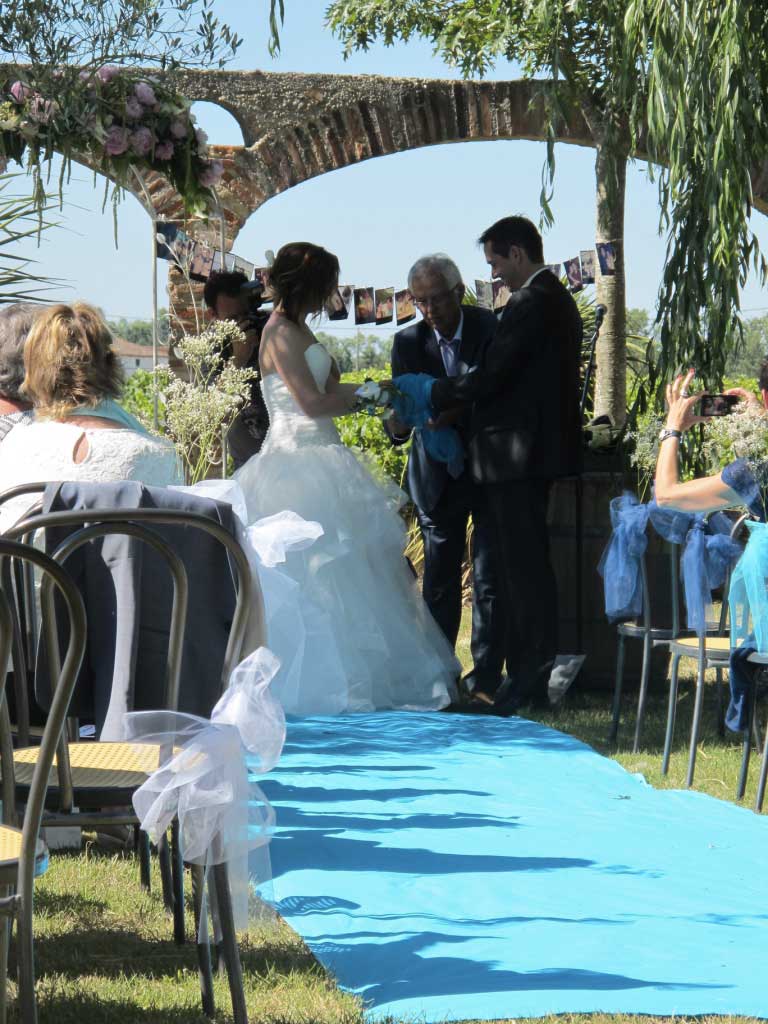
[{"x": 283, "y": 347}]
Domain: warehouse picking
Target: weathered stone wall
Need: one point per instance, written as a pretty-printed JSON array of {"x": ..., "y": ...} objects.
[{"x": 298, "y": 126}]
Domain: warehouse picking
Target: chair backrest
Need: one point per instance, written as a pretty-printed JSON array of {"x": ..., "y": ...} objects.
[
  {"x": 672, "y": 559},
  {"x": 143, "y": 523},
  {"x": 62, "y": 694}
]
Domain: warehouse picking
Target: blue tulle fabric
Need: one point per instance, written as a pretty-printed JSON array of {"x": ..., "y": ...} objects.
[
  {"x": 748, "y": 595},
  {"x": 414, "y": 407},
  {"x": 620, "y": 562},
  {"x": 739, "y": 477},
  {"x": 708, "y": 555}
]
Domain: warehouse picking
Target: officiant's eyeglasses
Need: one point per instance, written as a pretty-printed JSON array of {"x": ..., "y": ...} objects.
[{"x": 439, "y": 299}]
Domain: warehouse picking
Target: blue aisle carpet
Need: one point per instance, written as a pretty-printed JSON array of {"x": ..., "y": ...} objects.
[{"x": 448, "y": 867}]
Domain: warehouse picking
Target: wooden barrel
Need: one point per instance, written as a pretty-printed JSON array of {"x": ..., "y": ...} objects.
[{"x": 595, "y": 636}]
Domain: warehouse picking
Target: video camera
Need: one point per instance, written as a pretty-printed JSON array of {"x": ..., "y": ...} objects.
[{"x": 255, "y": 318}]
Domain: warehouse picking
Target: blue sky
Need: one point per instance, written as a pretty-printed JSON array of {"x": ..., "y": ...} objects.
[{"x": 378, "y": 216}]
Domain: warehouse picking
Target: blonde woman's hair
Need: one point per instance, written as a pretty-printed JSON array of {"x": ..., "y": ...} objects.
[{"x": 69, "y": 361}]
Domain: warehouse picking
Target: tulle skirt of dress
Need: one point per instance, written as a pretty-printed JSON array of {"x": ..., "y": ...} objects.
[{"x": 365, "y": 638}]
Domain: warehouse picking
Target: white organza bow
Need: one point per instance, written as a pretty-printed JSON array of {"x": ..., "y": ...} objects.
[{"x": 203, "y": 778}]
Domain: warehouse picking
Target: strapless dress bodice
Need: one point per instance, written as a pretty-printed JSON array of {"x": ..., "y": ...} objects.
[{"x": 289, "y": 427}]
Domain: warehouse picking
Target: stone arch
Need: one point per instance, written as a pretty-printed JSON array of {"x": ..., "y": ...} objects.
[{"x": 298, "y": 126}]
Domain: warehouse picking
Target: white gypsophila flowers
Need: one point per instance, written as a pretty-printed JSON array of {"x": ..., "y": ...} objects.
[
  {"x": 201, "y": 407},
  {"x": 741, "y": 435}
]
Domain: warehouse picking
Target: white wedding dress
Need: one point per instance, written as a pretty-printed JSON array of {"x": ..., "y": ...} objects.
[{"x": 366, "y": 639}]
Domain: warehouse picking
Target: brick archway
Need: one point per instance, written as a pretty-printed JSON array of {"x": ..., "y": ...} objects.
[{"x": 298, "y": 126}]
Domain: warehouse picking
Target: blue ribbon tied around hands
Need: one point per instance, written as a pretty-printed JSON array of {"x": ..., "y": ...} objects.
[
  {"x": 413, "y": 405},
  {"x": 620, "y": 562}
]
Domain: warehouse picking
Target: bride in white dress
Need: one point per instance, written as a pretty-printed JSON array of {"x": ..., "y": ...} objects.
[{"x": 368, "y": 640}]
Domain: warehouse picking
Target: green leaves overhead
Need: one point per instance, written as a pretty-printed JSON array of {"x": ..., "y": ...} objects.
[{"x": 683, "y": 82}]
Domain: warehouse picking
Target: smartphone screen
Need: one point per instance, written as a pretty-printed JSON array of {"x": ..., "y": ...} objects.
[{"x": 717, "y": 405}]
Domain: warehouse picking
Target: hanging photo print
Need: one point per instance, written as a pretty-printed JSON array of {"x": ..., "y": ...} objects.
[
  {"x": 261, "y": 274},
  {"x": 555, "y": 268},
  {"x": 365, "y": 311},
  {"x": 216, "y": 266},
  {"x": 202, "y": 262},
  {"x": 484, "y": 292},
  {"x": 406, "y": 311},
  {"x": 339, "y": 305},
  {"x": 165, "y": 237},
  {"x": 385, "y": 303},
  {"x": 573, "y": 274},
  {"x": 244, "y": 267},
  {"x": 501, "y": 294},
  {"x": 587, "y": 266},
  {"x": 606, "y": 256}
]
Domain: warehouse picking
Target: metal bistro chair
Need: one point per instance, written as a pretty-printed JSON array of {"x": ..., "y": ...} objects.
[
  {"x": 651, "y": 637},
  {"x": 23, "y": 856},
  {"x": 711, "y": 650},
  {"x": 105, "y": 774}
]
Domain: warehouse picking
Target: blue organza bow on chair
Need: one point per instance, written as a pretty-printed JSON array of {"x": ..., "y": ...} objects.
[
  {"x": 708, "y": 555},
  {"x": 748, "y": 595},
  {"x": 670, "y": 524},
  {"x": 620, "y": 562},
  {"x": 414, "y": 407}
]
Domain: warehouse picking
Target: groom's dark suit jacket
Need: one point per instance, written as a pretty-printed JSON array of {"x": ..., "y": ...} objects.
[
  {"x": 416, "y": 350},
  {"x": 526, "y": 423}
]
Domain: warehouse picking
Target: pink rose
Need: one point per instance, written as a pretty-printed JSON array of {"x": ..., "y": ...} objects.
[
  {"x": 41, "y": 110},
  {"x": 116, "y": 141},
  {"x": 142, "y": 141},
  {"x": 211, "y": 173},
  {"x": 145, "y": 94},
  {"x": 164, "y": 150},
  {"x": 133, "y": 109},
  {"x": 20, "y": 92},
  {"x": 178, "y": 129},
  {"x": 107, "y": 73}
]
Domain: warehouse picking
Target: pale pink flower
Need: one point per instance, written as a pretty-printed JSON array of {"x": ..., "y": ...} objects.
[
  {"x": 107, "y": 73},
  {"x": 211, "y": 173},
  {"x": 145, "y": 94},
  {"x": 142, "y": 141},
  {"x": 178, "y": 129},
  {"x": 116, "y": 141},
  {"x": 164, "y": 150},
  {"x": 133, "y": 109},
  {"x": 20, "y": 92}
]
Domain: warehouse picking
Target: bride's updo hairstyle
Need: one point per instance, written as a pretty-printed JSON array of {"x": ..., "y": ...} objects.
[
  {"x": 69, "y": 361},
  {"x": 303, "y": 278}
]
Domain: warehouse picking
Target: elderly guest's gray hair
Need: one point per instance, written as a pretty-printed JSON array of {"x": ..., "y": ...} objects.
[
  {"x": 439, "y": 264},
  {"x": 15, "y": 323}
]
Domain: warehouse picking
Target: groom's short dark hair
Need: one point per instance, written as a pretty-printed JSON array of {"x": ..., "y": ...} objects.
[{"x": 511, "y": 231}]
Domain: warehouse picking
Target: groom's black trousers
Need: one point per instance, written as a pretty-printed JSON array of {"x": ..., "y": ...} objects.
[
  {"x": 444, "y": 530},
  {"x": 518, "y": 514}
]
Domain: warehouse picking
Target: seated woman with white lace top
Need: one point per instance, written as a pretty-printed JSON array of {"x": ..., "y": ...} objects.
[{"x": 80, "y": 432}]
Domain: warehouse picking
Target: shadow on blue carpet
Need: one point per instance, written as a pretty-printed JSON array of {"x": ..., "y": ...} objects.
[{"x": 447, "y": 868}]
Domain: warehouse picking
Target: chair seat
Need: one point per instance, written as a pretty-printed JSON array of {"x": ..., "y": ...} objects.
[
  {"x": 96, "y": 767},
  {"x": 10, "y": 851},
  {"x": 756, "y": 658},
  {"x": 718, "y": 647}
]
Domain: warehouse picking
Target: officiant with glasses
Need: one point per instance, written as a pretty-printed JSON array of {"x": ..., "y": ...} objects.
[{"x": 450, "y": 339}]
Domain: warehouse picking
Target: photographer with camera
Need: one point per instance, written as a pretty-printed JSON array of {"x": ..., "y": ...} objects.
[{"x": 229, "y": 295}]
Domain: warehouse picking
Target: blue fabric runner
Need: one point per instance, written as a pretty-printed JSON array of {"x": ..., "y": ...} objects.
[{"x": 449, "y": 867}]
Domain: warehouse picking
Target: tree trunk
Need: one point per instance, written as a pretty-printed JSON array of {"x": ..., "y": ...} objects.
[{"x": 611, "y": 353}]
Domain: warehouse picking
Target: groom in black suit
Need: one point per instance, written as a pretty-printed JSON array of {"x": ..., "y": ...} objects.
[
  {"x": 525, "y": 432},
  {"x": 450, "y": 339}
]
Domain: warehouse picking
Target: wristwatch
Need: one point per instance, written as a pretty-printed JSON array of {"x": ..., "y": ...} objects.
[{"x": 668, "y": 432}]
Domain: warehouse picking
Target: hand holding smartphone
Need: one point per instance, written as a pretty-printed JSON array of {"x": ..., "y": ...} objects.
[{"x": 717, "y": 405}]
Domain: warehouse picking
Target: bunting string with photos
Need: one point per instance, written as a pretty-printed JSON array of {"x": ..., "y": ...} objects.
[{"x": 368, "y": 305}]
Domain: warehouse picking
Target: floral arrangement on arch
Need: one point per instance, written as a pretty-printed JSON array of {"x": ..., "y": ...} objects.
[{"x": 117, "y": 118}]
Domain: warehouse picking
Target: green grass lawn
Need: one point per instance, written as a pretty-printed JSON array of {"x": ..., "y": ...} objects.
[{"x": 105, "y": 949}]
